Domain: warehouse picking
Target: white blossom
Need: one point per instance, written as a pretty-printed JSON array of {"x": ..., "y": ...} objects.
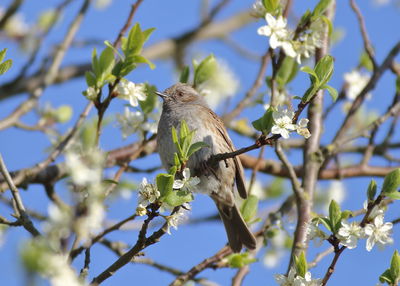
[
  {"x": 148, "y": 193},
  {"x": 176, "y": 219},
  {"x": 102, "y": 4},
  {"x": 16, "y": 26},
  {"x": 378, "y": 232},
  {"x": 283, "y": 122},
  {"x": 187, "y": 183},
  {"x": 292, "y": 279},
  {"x": 91, "y": 93},
  {"x": 84, "y": 171},
  {"x": 221, "y": 84},
  {"x": 314, "y": 233},
  {"x": 355, "y": 83},
  {"x": 141, "y": 210},
  {"x": 130, "y": 122},
  {"x": 278, "y": 34},
  {"x": 132, "y": 92},
  {"x": 349, "y": 233},
  {"x": 59, "y": 271},
  {"x": 302, "y": 129}
]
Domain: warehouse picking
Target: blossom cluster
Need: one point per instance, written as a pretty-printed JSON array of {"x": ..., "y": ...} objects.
[
  {"x": 283, "y": 125},
  {"x": 281, "y": 37},
  {"x": 376, "y": 231}
]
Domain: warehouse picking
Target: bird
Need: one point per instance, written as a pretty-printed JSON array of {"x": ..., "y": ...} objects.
[{"x": 182, "y": 102}]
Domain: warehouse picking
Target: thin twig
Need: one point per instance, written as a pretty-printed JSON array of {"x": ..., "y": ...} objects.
[{"x": 20, "y": 209}]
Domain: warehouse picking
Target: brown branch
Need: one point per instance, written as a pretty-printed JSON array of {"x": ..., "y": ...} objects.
[
  {"x": 206, "y": 263},
  {"x": 367, "y": 43},
  {"x": 19, "y": 206},
  {"x": 378, "y": 72},
  {"x": 12, "y": 9},
  {"x": 128, "y": 23}
]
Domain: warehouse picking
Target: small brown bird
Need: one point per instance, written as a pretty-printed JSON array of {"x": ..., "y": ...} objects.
[{"x": 182, "y": 102}]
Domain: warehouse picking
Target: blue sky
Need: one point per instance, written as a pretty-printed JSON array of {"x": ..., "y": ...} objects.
[{"x": 191, "y": 244}]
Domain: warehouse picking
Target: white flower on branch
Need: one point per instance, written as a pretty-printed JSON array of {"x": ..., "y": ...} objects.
[
  {"x": 349, "y": 233},
  {"x": 59, "y": 271},
  {"x": 176, "y": 219},
  {"x": 130, "y": 91},
  {"x": 148, "y": 193},
  {"x": 85, "y": 171},
  {"x": 314, "y": 233},
  {"x": 187, "y": 183},
  {"x": 16, "y": 26},
  {"x": 378, "y": 232},
  {"x": 302, "y": 129},
  {"x": 292, "y": 279},
  {"x": 355, "y": 83},
  {"x": 283, "y": 122},
  {"x": 278, "y": 34},
  {"x": 141, "y": 210},
  {"x": 91, "y": 93},
  {"x": 130, "y": 121}
]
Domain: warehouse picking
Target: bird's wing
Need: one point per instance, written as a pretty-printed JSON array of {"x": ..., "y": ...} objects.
[{"x": 239, "y": 177}]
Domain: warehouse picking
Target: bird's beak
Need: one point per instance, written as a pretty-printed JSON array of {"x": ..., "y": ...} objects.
[{"x": 162, "y": 95}]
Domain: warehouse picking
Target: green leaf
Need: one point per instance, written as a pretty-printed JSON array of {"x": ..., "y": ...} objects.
[
  {"x": 64, "y": 113},
  {"x": 346, "y": 214},
  {"x": 138, "y": 59},
  {"x": 265, "y": 123},
  {"x": 90, "y": 78},
  {"x": 164, "y": 184},
  {"x": 177, "y": 162},
  {"x": 392, "y": 182},
  {"x": 95, "y": 64},
  {"x": 310, "y": 92},
  {"x": 106, "y": 61},
  {"x": 177, "y": 198},
  {"x": 371, "y": 192},
  {"x": 287, "y": 71},
  {"x": 136, "y": 39},
  {"x": 301, "y": 264},
  {"x": 328, "y": 23},
  {"x": 393, "y": 196},
  {"x": 366, "y": 62},
  {"x": 320, "y": 8},
  {"x": 249, "y": 208},
  {"x": 395, "y": 267},
  {"x": 174, "y": 135},
  {"x": 196, "y": 147},
  {"x": 205, "y": 70},
  {"x": 184, "y": 77},
  {"x": 47, "y": 19},
  {"x": 324, "y": 69},
  {"x": 108, "y": 44},
  {"x": 238, "y": 260},
  {"x": 335, "y": 215},
  {"x": 271, "y": 6},
  {"x": 5, "y": 66},
  {"x": 386, "y": 277},
  {"x": 332, "y": 91},
  {"x": 3, "y": 53}
]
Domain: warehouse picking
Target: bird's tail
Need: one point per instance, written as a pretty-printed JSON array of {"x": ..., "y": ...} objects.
[{"x": 237, "y": 231}]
